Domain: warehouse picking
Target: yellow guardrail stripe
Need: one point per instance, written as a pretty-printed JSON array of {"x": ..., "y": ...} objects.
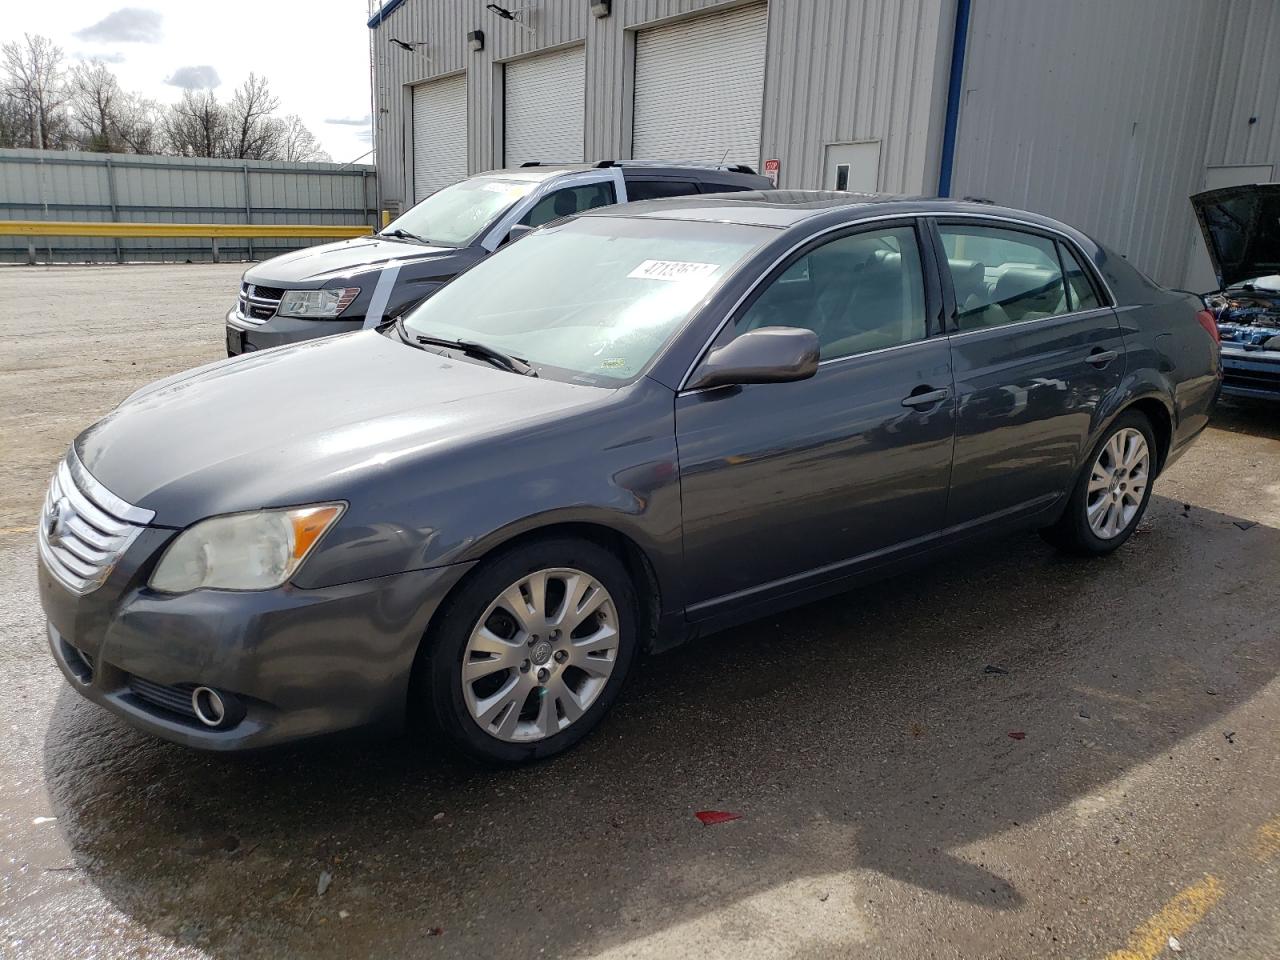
[{"x": 97, "y": 228}]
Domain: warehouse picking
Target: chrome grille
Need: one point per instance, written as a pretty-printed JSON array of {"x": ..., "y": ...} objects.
[
  {"x": 85, "y": 528},
  {"x": 257, "y": 304}
]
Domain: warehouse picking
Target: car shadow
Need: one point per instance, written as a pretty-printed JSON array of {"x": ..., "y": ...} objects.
[
  {"x": 873, "y": 732},
  {"x": 1259, "y": 418}
]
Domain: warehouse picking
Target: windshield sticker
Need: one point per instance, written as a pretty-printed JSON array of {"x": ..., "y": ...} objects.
[
  {"x": 673, "y": 270},
  {"x": 613, "y": 363}
]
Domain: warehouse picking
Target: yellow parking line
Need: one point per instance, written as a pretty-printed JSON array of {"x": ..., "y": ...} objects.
[
  {"x": 1174, "y": 919},
  {"x": 1191, "y": 904},
  {"x": 1266, "y": 842}
]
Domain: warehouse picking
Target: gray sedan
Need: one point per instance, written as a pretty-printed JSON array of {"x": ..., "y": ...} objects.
[{"x": 623, "y": 430}]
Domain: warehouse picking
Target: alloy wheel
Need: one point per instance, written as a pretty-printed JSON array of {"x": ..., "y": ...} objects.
[
  {"x": 540, "y": 655},
  {"x": 1118, "y": 483}
]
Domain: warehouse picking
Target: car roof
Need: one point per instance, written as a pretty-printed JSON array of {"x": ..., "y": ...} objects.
[
  {"x": 699, "y": 171},
  {"x": 785, "y": 208}
]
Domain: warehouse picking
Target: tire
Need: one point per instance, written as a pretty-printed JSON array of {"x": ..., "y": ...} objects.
[
  {"x": 1074, "y": 532},
  {"x": 533, "y": 666}
]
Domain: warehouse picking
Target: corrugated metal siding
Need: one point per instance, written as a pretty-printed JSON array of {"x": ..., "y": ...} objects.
[
  {"x": 836, "y": 70},
  {"x": 858, "y": 70},
  {"x": 1248, "y": 87},
  {"x": 1094, "y": 112},
  {"x": 56, "y": 185}
]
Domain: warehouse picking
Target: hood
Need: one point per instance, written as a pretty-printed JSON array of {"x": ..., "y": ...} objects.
[
  {"x": 302, "y": 424},
  {"x": 1241, "y": 227},
  {"x": 342, "y": 259}
]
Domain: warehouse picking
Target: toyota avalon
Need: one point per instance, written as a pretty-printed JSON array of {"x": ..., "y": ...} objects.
[{"x": 628, "y": 428}]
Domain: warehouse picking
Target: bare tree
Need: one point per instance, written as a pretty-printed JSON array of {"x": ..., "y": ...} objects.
[
  {"x": 42, "y": 106},
  {"x": 33, "y": 79},
  {"x": 95, "y": 99},
  {"x": 14, "y": 129},
  {"x": 295, "y": 142},
  {"x": 252, "y": 134},
  {"x": 140, "y": 125},
  {"x": 196, "y": 126}
]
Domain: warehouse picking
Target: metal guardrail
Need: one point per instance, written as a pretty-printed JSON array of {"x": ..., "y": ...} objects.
[{"x": 211, "y": 231}]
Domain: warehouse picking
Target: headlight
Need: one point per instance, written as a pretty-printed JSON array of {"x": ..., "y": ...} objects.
[
  {"x": 317, "y": 304},
  {"x": 243, "y": 551}
]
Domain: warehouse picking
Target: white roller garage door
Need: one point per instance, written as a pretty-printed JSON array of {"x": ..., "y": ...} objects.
[
  {"x": 439, "y": 134},
  {"x": 699, "y": 86},
  {"x": 545, "y": 102}
]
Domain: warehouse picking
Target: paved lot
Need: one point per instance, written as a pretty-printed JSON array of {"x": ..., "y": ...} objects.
[{"x": 887, "y": 811}]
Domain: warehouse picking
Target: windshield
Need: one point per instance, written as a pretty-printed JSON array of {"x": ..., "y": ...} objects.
[
  {"x": 593, "y": 298},
  {"x": 456, "y": 215}
]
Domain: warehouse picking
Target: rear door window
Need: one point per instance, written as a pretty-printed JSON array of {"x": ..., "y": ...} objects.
[
  {"x": 712, "y": 187},
  {"x": 1002, "y": 276},
  {"x": 568, "y": 201},
  {"x": 655, "y": 189},
  {"x": 1080, "y": 289}
]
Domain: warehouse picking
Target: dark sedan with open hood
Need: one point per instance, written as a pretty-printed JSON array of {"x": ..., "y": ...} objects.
[
  {"x": 628, "y": 428},
  {"x": 1241, "y": 227}
]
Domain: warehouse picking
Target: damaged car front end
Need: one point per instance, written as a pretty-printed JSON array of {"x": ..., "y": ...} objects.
[{"x": 1241, "y": 227}]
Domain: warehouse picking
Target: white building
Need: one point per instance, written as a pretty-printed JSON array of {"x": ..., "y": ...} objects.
[{"x": 1105, "y": 113}]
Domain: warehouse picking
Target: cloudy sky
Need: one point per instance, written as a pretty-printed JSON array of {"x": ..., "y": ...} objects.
[{"x": 314, "y": 52}]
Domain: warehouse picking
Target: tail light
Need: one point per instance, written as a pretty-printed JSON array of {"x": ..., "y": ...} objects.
[{"x": 1206, "y": 320}]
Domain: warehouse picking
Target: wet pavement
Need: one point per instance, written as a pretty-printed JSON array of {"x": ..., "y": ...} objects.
[{"x": 866, "y": 741}]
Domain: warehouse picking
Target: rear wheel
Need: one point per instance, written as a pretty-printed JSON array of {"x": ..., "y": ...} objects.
[
  {"x": 532, "y": 651},
  {"x": 1112, "y": 493}
]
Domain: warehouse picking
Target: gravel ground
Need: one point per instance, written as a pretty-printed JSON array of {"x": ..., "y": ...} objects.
[{"x": 886, "y": 809}]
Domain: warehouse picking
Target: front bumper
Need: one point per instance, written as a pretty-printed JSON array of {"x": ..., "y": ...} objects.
[
  {"x": 278, "y": 331},
  {"x": 294, "y": 663},
  {"x": 1250, "y": 372}
]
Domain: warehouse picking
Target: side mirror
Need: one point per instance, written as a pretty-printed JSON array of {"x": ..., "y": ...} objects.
[
  {"x": 515, "y": 233},
  {"x": 766, "y": 355}
]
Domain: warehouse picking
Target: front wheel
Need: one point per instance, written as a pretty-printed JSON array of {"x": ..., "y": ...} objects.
[
  {"x": 531, "y": 653},
  {"x": 1112, "y": 493}
]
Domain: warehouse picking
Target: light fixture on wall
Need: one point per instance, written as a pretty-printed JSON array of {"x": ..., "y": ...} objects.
[
  {"x": 512, "y": 14},
  {"x": 600, "y": 8},
  {"x": 407, "y": 44},
  {"x": 475, "y": 40}
]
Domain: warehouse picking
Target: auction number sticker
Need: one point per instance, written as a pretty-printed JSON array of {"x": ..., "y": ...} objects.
[{"x": 673, "y": 270}]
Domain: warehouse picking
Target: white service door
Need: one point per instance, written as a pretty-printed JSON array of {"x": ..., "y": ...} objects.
[
  {"x": 854, "y": 167},
  {"x": 439, "y": 134},
  {"x": 544, "y": 107},
  {"x": 699, "y": 88},
  {"x": 1199, "y": 277}
]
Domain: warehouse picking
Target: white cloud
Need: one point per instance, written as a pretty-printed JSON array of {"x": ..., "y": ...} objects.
[
  {"x": 104, "y": 57},
  {"x": 350, "y": 121},
  {"x": 202, "y": 77},
  {"x": 126, "y": 25},
  {"x": 314, "y": 53}
]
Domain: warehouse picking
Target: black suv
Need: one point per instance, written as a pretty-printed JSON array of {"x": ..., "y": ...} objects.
[{"x": 355, "y": 284}]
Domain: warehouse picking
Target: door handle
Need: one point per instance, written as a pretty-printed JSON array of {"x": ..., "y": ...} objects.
[
  {"x": 1100, "y": 358},
  {"x": 926, "y": 399}
]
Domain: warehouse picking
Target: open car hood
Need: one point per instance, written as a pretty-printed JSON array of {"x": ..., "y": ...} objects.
[{"x": 1241, "y": 227}]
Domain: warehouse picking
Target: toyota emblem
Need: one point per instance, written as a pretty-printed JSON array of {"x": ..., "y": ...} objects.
[{"x": 55, "y": 525}]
